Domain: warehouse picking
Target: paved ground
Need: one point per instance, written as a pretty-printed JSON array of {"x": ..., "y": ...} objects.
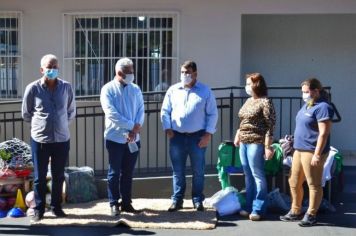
[{"x": 342, "y": 222}]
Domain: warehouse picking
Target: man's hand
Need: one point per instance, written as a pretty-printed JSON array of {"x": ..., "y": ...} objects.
[
  {"x": 131, "y": 137},
  {"x": 204, "y": 141},
  {"x": 170, "y": 133},
  {"x": 136, "y": 129}
]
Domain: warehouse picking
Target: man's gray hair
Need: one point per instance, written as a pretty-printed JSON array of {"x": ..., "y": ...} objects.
[
  {"x": 48, "y": 58},
  {"x": 123, "y": 63}
]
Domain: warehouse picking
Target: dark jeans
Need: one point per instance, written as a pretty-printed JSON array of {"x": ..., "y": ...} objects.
[
  {"x": 41, "y": 152},
  {"x": 121, "y": 166},
  {"x": 182, "y": 146}
]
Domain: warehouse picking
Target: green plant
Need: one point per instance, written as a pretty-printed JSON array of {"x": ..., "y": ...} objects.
[{"x": 5, "y": 155}]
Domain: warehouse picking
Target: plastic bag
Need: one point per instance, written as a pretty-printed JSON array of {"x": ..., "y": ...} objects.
[
  {"x": 226, "y": 201},
  {"x": 80, "y": 184}
]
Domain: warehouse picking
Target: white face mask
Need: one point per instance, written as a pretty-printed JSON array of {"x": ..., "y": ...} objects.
[
  {"x": 248, "y": 90},
  {"x": 129, "y": 78},
  {"x": 185, "y": 79},
  {"x": 306, "y": 97}
]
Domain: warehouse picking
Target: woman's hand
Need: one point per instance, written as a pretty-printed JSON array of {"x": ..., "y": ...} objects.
[
  {"x": 315, "y": 160},
  {"x": 269, "y": 152},
  {"x": 237, "y": 139}
]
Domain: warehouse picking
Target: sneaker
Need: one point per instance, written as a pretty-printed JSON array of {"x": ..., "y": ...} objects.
[
  {"x": 244, "y": 213},
  {"x": 199, "y": 206},
  {"x": 308, "y": 220},
  {"x": 289, "y": 217},
  {"x": 37, "y": 216},
  {"x": 59, "y": 213},
  {"x": 175, "y": 206},
  {"x": 115, "y": 210},
  {"x": 255, "y": 217},
  {"x": 129, "y": 208}
]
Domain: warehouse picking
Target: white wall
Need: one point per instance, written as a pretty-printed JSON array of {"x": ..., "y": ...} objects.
[
  {"x": 288, "y": 49},
  {"x": 210, "y": 33}
]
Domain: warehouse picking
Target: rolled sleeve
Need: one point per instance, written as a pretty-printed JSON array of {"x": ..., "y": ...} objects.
[
  {"x": 71, "y": 104},
  {"x": 166, "y": 111},
  {"x": 211, "y": 114},
  {"x": 27, "y": 105},
  {"x": 270, "y": 117},
  {"x": 141, "y": 110}
]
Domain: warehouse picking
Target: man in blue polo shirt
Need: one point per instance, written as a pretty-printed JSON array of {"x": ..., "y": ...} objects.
[{"x": 189, "y": 116}]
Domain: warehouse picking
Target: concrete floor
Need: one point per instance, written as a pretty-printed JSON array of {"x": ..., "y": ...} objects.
[{"x": 342, "y": 222}]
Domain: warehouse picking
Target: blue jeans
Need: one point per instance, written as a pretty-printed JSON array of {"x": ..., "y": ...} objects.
[
  {"x": 121, "y": 166},
  {"x": 41, "y": 152},
  {"x": 252, "y": 160},
  {"x": 182, "y": 145}
]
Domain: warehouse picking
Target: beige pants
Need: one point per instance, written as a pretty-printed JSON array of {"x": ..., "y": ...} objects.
[{"x": 301, "y": 170}]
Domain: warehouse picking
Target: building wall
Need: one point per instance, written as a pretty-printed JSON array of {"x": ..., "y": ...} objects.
[
  {"x": 288, "y": 49},
  {"x": 210, "y": 32}
]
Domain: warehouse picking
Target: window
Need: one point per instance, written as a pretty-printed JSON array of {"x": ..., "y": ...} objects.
[
  {"x": 10, "y": 54},
  {"x": 95, "y": 42}
]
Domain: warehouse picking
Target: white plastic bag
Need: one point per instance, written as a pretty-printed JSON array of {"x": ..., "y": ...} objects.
[{"x": 225, "y": 202}]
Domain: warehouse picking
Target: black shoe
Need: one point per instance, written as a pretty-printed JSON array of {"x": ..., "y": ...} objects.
[
  {"x": 37, "y": 216},
  {"x": 175, "y": 206},
  {"x": 199, "y": 206},
  {"x": 59, "y": 213},
  {"x": 129, "y": 208},
  {"x": 289, "y": 217},
  {"x": 115, "y": 210},
  {"x": 308, "y": 220}
]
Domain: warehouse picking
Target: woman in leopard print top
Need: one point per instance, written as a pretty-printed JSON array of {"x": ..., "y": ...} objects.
[{"x": 255, "y": 136}]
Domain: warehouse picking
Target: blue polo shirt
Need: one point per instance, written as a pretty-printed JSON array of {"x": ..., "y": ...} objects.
[{"x": 306, "y": 128}]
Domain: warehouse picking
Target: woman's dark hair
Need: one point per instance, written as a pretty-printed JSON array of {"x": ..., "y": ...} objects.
[
  {"x": 258, "y": 86},
  {"x": 313, "y": 84}
]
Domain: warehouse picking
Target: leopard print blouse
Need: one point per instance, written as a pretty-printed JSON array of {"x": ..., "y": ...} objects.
[{"x": 257, "y": 120}]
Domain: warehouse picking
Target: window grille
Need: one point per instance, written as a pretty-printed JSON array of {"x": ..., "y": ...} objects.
[
  {"x": 10, "y": 54},
  {"x": 94, "y": 42}
]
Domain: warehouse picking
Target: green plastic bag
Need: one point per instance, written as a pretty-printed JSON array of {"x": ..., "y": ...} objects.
[{"x": 228, "y": 155}]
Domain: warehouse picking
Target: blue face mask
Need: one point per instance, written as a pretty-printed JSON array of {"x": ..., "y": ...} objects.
[{"x": 51, "y": 73}]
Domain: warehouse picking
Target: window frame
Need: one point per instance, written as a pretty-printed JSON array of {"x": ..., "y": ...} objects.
[
  {"x": 70, "y": 49},
  {"x": 18, "y": 78}
]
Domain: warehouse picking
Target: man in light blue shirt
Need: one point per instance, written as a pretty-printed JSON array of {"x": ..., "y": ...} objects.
[
  {"x": 189, "y": 116},
  {"x": 123, "y": 105},
  {"x": 49, "y": 105}
]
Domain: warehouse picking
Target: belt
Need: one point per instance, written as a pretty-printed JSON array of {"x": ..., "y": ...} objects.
[{"x": 190, "y": 134}]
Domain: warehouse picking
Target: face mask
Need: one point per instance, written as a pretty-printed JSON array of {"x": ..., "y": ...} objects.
[
  {"x": 186, "y": 78},
  {"x": 129, "y": 78},
  {"x": 306, "y": 97},
  {"x": 248, "y": 90},
  {"x": 51, "y": 74}
]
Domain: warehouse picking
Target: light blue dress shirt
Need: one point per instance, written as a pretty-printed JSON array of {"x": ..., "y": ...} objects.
[
  {"x": 189, "y": 110},
  {"x": 123, "y": 107},
  {"x": 49, "y": 112}
]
